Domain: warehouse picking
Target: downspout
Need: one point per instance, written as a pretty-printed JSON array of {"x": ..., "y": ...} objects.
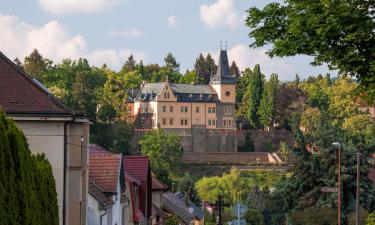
[
  {"x": 65, "y": 166},
  {"x": 191, "y": 126}
]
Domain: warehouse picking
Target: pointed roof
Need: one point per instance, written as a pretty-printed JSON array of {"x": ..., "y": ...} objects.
[
  {"x": 223, "y": 75},
  {"x": 20, "y": 94}
]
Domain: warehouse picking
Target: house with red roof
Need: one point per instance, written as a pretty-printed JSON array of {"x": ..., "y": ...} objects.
[
  {"x": 106, "y": 201},
  {"x": 53, "y": 129},
  {"x": 139, "y": 187}
]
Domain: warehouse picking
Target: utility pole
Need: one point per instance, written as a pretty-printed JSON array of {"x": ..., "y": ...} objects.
[
  {"x": 357, "y": 191},
  {"x": 339, "y": 183}
]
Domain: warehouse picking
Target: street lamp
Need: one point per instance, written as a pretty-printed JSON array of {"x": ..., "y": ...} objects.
[{"x": 338, "y": 145}]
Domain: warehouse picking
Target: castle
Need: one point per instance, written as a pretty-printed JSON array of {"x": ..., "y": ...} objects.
[{"x": 193, "y": 111}]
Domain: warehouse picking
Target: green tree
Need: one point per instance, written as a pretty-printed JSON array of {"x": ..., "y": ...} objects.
[
  {"x": 360, "y": 129},
  {"x": 254, "y": 93},
  {"x": 187, "y": 187},
  {"x": 129, "y": 65},
  {"x": 27, "y": 187},
  {"x": 241, "y": 91},
  {"x": 35, "y": 64},
  {"x": 371, "y": 219},
  {"x": 189, "y": 77},
  {"x": 171, "y": 63},
  {"x": 132, "y": 80},
  {"x": 339, "y": 33},
  {"x": 162, "y": 148},
  {"x": 205, "y": 67},
  {"x": 234, "y": 69},
  {"x": 267, "y": 107},
  {"x": 254, "y": 217}
]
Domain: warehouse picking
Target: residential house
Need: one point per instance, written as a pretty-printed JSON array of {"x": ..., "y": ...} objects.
[
  {"x": 53, "y": 129},
  {"x": 158, "y": 188},
  {"x": 187, "y": 212},
  {"x": 105, "y": 172},
  {"x": 138, "y": 175}
]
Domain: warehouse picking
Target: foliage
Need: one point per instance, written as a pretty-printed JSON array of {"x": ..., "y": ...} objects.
[
  {"x": 205, "y": 67},
  {"x": 241, "y": 88},
  {"x": 189, "y": 77},
  {"x": 267, "y": 107},
  {"x": 360, "y": 129},
  {"x": 248, "y": 146},
  {"x": 234, "y": 70},
  {"x": 371, "y": 219},
  {"x": 162, "y": 148},
  {"x": 173, "y": 220},
  {"x": 236, "y": 185},
  {"x": 311, "y": 119},
  {"x": 27, "y": 185},
  {"x": 254, "y": 94},
  {"x": 313, "y": 216},
  {"x": 254, "y": 217},
  {"x": 187, "y": 187},
  {"x": 35, "y": 64},
  {"x": 363, "y": 215},
  {"x": 171, "y": 63},
  {"x": 129, "y": 65},
  {"x": 339, "y": 33}
]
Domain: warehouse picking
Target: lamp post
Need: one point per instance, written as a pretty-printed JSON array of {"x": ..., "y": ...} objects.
[{"x": 338, "y": 145}]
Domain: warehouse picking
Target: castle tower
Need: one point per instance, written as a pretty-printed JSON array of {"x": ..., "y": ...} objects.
[{"x": 223, "y": 82}]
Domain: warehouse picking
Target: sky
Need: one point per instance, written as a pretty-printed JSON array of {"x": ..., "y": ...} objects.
[{"x": 108, "y": 31}]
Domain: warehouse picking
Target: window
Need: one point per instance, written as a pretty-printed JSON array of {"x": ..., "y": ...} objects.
[
  {"x": 182, "y": 109},
  {"x": 229, "y": 109},
  {"x": 227, "y": 93},
  {"x": 165, "y": 94},
  {"x": 182, "y": 122},
  {"x": 185, "y": 122},
  {"x": 209, "y": 109},
  {"x": 171, "y": 109},
  {"x": 213, "y": 110},
  {"x": 186, "y": 108},
  {"x": 164, "y": 108},
  {"x": 168, "y": 95},
  {"x": 164, "y": 121},
  {"x": 197, "y": 109},
  {"x": 209, "y": 122},
  {"x": 171, "y": 121},
  {"x": 225, "y": 123},
  {"x": 213, "y": 122}
]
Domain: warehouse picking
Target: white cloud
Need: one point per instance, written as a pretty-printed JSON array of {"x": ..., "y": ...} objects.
[
  {"x": 173, "y": 21},
  {"x": 75, "y": 6},
  {"x": 53, "y": 41},
  {"x": 248, "y": 57},
  {"x": 220, "y": 13},
  {"x": 129, "y": 33}
]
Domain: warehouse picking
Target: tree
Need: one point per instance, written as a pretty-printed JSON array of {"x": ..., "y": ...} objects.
[
  {"x": 171, "y": 63},
  {"x": 205, "y": 68},
  {"x": 241, "y": 91},
  {"x": 234, "y": 69},
  {"x": 27, "y": 185},
  {"x": 360, "y": 129},
  {"x": 189, "y": 77},
  {"x": 371, "y": 219},
  {"x": 311, "y": 119},
  {"x": 187, "y": 187},
  {"x": 34, "y": 64},
  {"x": 339, "y": 33},
  {"x": 254, "y": 217},
  {"x": 162, "y": 148},
  {"x": 129, "y": 65},
  {"x": 267, "y": 107},
  {"x": 254, "y": 93},
  {"x": 132, "y": 80}
]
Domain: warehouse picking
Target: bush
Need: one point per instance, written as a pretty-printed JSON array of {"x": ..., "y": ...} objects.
[
  {"x": 313, "y": 216},
  {"x": 371, "y": 219},
  {"x": 254, "y": 217}
]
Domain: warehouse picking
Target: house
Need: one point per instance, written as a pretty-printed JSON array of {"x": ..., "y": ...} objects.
[
  {"x": 139, "y": 187},
  {"x": 158, "y": 188},
  {"x": 186, "y": 212},
  {"x": 53, "y": 129},
  {"x": 194, "y": 111},
  {"x": 106, "y": 205}
]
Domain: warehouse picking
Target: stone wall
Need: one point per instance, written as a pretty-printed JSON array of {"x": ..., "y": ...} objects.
[{"x": 264, "y": 140}]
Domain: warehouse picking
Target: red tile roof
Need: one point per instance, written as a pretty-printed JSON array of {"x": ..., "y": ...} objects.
[
  {"x": 98, "y": 194},
  {"x": 20, "y": 94},
  {"x": 104, "y": 169},
  {"x": 137, "y": 166},
  {"x": 130, "y": 178},
  {"x": 158, "y": 185}
]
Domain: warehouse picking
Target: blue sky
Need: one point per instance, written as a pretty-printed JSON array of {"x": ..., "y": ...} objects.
[{"x": 107, "y": 31}]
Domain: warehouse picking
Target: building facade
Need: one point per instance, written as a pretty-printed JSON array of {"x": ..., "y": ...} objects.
[
  {"x": 53, "y": 129},
  {"x": 193, "y": 111}
]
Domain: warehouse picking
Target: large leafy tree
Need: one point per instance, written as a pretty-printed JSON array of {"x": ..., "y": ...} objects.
[
  {"x": 267, "y": 107},
  {"x": 254, "y": 95},
  {"x": 187, "y": 187},
  {"x": 340, "y": 33},
  {"x": 163, "y": 149}
]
